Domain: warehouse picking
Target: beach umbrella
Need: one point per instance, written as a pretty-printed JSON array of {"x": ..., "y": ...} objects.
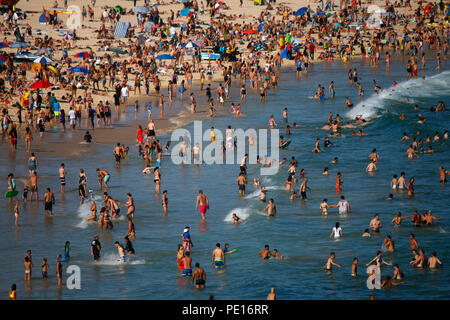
[
  {"x": 42, "y": 51},
  {"x": 42, "y": 60},
  {"x": 118, "y": 9},
  {"x": 19, "y": 45},
  {"x": 250, "y": 31},
  {"x": 40, "y": 84},
  {"x": 83, "y": 55},
  {"x": 3, "y": 58},
  {"x": 301, "y": 11},
  {"x": 165, "y": 57},
  {"x": 3, "y": 45},
  {"x": 190, "y": 44},
  {"x": 184, "y": 1},
  {"x": 284, "y": 54},
  {"x": 67, "y": 36},
  {"x": 184, "y": 12},
  {"x": 319, "y": 14},
  {"x": 79, "y": 69}
]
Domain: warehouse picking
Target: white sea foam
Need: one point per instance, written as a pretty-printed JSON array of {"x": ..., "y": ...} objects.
[
  {"x": 404, "y": 92},
  {"x": 255, "y": 194},
  {"x": 242, "y": 213},
  {"x": 85, "y": 212},
  {"x": 111, "y": 259}
]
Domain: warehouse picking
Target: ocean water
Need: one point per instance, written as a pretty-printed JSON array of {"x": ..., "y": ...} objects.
[{"x": 299, "y": 231}]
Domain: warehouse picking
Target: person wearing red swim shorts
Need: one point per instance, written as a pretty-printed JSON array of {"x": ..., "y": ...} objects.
[{"x": 203, "y": 201}]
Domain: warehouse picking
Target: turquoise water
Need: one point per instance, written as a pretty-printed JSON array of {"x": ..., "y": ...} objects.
[{"x": 299, "y": 231}]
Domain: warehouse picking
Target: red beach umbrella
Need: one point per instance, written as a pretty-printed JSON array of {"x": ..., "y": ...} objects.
[{"x": 40, "y": 84}]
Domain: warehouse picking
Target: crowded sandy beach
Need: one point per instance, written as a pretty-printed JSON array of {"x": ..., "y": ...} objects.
[{"x": 99, "y": 102}]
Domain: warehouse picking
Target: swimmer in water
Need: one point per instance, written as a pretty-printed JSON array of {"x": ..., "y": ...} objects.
[
  {"x": 388, "y": 283},
  {"x": 366, "y": 233},
  {"x": 324, "y": 207},
  {"x": 330, "y": 263},
  {"x": 413, "y": 244},
  {"x": 398, "y": 219},
  {"x": 236, "y": 219},
  {"x": 271, "y": 208},
  {"x": 336, "y": 232},
  {"x": 262, "y": 193},
  {"x": 375, "y": 223},
  {"x": 355, "y": 267},
  {"x": 265, "y": 253},
  {"x": 120, "y": 252},
  {"x": 348, "y": 102},
  {"x": 433, "y": 261}
]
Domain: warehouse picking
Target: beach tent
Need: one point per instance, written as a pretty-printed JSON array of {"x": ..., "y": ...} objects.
[
  {"x": 165, "y": 57},
  {"x": 184, "y": 12},
  {"x": 79, "y": 69},
  {"x": 121, "y": 29},
  {"x": 42, "y": 19},
  {"x": 301, "y": 11},
  {"x": 141, "y": 9}
]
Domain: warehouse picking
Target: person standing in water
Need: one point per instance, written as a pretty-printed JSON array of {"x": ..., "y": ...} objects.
[
  {"x": 271, "y": 295},
  {"x": 218, "y": 257},
  {"x": 203, "y": 201},
  {"x": 199, "y": 276},
  {"x": 96, "y": 248},
  {"x": 330, "y": 263},
  {"x": 62, "y": 178}
]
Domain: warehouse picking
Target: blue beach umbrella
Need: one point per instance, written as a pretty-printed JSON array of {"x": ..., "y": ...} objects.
[
  {"x": 284, "y": 54},
  {"x": 301, "y": 11},
  {"x": 165, "y": 57},
  {"x": 319, "y": 14},
  {"x": 190, "y": 44},
  {"x": 42, "y": 60},
  {"x": 79, "y": 69},
  {"x": 141, "y": 9},
  {"x": 184, "y": 12},
  {"x": 3, "y": 45}
]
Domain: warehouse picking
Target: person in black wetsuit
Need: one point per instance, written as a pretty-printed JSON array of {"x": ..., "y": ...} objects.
[
  {"x": 96, "y": 248},
  {"x": 128, "y": 246}
]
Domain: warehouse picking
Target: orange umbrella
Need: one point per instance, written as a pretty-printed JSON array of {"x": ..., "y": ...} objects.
[{"x": 250, "y": 31}]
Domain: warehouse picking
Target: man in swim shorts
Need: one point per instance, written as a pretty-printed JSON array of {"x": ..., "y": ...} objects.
[
  {"x": 203, "y": 201},
  {"x": 103, "y": 176},
  {"x": 187, "y": 260},
  {"x": 199, "y": 276},
  {"x": 49, "y": 201},
  {"x": 218, "y": 257}
]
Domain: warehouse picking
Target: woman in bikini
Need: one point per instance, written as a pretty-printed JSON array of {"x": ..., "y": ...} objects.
[{"x": 130, "y": 205}]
